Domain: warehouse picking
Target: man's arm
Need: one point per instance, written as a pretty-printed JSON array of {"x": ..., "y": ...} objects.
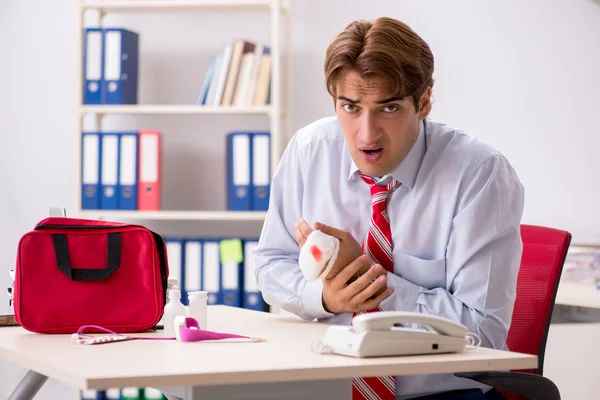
[
  {"x": 482, "y": 260},
  {"x": 278, "y": 275}
]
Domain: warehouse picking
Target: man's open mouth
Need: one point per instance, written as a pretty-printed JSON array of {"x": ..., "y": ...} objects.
[
  {"x": 372, "y": 155},
  {"x": 373, "y": 151}
]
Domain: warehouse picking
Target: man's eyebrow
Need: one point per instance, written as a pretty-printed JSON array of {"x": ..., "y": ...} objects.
[
  {"x": 395, "y": 98},
  {"x": 344, "y": 98}
]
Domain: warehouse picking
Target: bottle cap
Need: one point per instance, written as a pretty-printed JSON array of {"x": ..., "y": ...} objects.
[
  {"x": 201, "y": 294},
  {"x": 174, "y": 294}
]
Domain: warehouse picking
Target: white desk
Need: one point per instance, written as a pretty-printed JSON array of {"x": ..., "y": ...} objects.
[
  {"x": 284, "y": 362},
  {"x": 578, "y": 295}
]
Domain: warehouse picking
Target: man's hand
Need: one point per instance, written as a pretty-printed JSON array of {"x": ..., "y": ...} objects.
[
  {"x": 363, "y": 294},
  {"x": 349, "y": 251}
]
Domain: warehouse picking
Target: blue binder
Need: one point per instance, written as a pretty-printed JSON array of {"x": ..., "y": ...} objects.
[
  {"x": 211, "y": 271},
  {"x": 128, "y": 171},
  {"x": 261, "y": 170},
  {"x": 121, "y": 54},
  {"x": 90, "y": 170},
  {"x": 252, "y": 298},
  {"x": 93, "y": 62},
  {"x": 239, "y": 171},
  {"x": 109, "y": 171},
  {"x": 231, "y": 258}
]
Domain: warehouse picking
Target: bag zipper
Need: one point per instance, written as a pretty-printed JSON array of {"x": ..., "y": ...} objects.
[{"x": 59, "y": 226}]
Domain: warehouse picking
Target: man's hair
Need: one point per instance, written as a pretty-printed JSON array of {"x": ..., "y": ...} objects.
[{"x": 385, "y": 48}]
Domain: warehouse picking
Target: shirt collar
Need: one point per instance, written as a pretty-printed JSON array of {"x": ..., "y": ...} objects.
[{"x": 406, "y": 171}]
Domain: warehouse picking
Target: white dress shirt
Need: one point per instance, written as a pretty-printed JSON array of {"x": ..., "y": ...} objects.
[{"x": 455, "y": 222}]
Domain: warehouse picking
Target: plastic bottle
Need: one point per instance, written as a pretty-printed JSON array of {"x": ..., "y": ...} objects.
[
  {"x": 173, "y": 308},
  {"x": 172, "y": 283},
  {"x": 197, "y": 307}
]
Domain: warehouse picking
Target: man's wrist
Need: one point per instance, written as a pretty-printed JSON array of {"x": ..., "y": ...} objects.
[
  {"x": 312, "y": 299},
  {"x": 325, "y": 304}
]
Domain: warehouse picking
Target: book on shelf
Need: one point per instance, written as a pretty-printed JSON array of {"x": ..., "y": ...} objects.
[
  {"x": 248, "y": 170},
  {"x": 121, "y": 170},
  {"x": 110, "y": 66},
  {"x": 238, "y": 76}
]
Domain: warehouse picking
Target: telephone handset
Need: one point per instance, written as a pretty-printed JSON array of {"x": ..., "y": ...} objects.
[
  {"x": 387, "y": 319},
  {"x": 375, "y": 335}
]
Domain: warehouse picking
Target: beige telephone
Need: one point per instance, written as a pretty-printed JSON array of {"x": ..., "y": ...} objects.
[{"x": 375, "y": 335}]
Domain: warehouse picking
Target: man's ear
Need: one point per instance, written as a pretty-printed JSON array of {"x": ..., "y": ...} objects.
[{"x": 425, "y": 104}]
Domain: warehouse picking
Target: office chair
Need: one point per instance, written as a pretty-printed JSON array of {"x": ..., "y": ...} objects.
[{"x": 544, "y": 253}]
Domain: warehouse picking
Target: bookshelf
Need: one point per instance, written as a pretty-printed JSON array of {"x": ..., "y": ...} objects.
[
  {"x": 278, "y": 118},
  {"x": 274, "y": 111}
]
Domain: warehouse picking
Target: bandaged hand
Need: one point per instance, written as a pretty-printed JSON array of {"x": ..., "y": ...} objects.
[
  {"x": 352, "y": 282},
  {"x": 323, "y": 245}
]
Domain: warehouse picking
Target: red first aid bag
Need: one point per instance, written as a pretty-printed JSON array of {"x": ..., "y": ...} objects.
[{"x": 72, "y": 272}]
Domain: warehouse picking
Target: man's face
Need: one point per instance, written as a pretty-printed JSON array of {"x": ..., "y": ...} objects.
[{"x": 380, "y": 128}]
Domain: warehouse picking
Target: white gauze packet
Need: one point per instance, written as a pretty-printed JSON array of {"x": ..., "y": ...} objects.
[{"x": 318, "y": 255}]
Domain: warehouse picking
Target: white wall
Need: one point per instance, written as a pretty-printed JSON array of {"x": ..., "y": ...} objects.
[{"x": 520, "y": 75}]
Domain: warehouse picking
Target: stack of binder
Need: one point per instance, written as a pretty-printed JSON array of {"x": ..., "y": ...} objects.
[
  {"x": 239, "y": 76},
  {"x": 121, "y": 170},
  {"x": 223, "y": 267},
  {"x": 110, "y": 66},
  {"x": 248, "y": 171},
  {"x": 129, "y": 393}
]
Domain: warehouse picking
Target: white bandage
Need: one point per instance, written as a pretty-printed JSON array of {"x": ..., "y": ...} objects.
[{"x": 318, "y": 255}]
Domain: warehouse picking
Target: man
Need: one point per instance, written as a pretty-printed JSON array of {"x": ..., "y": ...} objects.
[{"x": 436, "y": 212}]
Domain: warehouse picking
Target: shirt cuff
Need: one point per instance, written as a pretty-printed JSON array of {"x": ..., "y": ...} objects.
[
  {"x": 404, "y": 297},
  {"x": 312, "y": 299}
]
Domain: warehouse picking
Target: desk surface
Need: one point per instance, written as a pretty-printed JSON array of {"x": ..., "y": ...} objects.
[
  {"x": 285, "y": 356},
  {"x": 577, "y": 294}
]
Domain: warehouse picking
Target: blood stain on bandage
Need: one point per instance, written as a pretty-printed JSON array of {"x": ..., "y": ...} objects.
[{"x": 316, "y": 253}]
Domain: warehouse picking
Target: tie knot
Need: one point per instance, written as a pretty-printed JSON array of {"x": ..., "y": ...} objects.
[{"x": 379, "y": 194}]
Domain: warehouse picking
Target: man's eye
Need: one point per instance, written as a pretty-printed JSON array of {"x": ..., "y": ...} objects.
[
  {"x": 390, "y": 109},
  {"x": 349, "y": 107}
]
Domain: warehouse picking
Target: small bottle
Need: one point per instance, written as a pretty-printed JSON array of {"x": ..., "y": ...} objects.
[
  {"x": 173, "y": 308},
  {"x": 197, "y": 307},
  {"x": 172, "y": 283}
]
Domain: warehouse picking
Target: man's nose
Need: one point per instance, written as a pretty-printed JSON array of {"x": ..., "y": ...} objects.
[{"x": 369, "y": 131}]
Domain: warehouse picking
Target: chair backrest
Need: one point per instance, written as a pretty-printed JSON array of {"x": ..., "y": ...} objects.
[{"x": 544, "y": 253}]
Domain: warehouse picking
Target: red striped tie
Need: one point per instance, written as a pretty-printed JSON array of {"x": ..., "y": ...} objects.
[{"x": 378, "y": 244}]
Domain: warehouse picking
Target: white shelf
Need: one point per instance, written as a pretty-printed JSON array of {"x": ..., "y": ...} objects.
[
  {"x": 152, "y": 109},
  {"x": 174, "y": 215},
  {"x": 176, "y": 5}
]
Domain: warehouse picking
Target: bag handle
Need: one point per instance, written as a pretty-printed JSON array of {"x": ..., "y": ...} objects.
[{"x": 63, "y": 262}]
